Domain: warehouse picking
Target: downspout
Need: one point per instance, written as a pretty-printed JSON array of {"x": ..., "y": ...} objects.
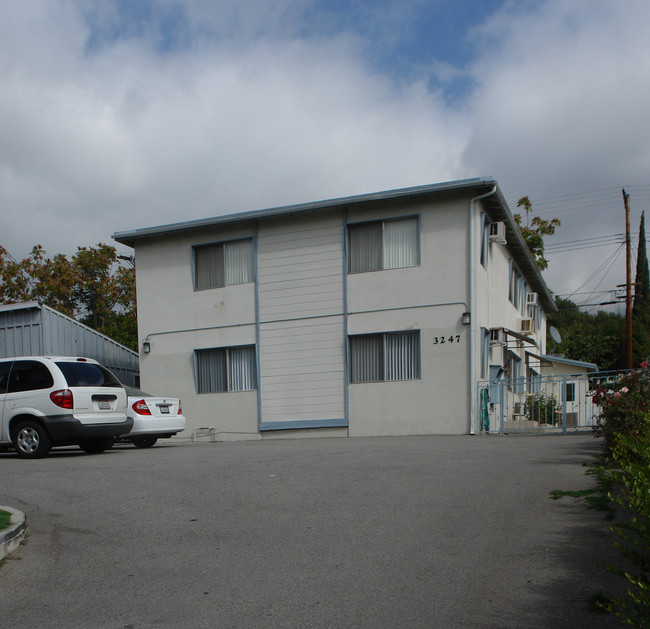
[{"x": 472, "y": 327}]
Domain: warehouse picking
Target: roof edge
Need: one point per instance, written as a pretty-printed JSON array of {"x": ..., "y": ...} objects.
[{"x": 130, "y": 236}]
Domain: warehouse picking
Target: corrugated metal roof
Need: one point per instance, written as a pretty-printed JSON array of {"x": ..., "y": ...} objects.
[{"x": 497, "y": 209}]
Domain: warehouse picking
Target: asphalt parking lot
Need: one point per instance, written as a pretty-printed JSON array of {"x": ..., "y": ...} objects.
[{"x": 384, "y": 532}]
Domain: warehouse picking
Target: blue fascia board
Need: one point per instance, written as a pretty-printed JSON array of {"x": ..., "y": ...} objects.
[
  {"x": 306, "y": 423},
  {"x": 128, "y": 237},
  {"x": 568, "y": 361}
]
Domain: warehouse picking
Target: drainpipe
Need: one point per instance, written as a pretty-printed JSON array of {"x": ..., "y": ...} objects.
[{"x": 472, "y": 327}]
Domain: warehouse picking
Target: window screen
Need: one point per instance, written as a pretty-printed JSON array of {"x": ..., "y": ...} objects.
[
  {"x": 223, "y": 264},
  {"x": 377, "y": 245},
  {"x": 385, "y": 357},
  {"x": 226, "y": 369}
]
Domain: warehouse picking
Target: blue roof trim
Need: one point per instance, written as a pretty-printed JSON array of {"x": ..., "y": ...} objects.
[
  {"x": 306, "y": 423},
  {"x": 128, "y": 237},
  {"x": 496, "y": 205},
  {"x": 568, "y": 361}
]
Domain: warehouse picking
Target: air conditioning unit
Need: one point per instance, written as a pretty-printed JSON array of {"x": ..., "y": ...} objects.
[
  {"x": 526, "y": 326},
  {"x": 498, "y": 336},
  {"x": 498, "y": 233},
  {"x": 532, "y": 299}
]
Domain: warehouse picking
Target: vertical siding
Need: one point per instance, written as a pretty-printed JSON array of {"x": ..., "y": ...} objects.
[
  {"x": 302, "y": 334},
  {"x": 20, "y": 333},
  {"x": 31, "y": 331}
]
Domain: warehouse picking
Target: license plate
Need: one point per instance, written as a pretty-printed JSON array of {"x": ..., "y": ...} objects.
[
  {"x": 104, "y": 405},
  {"x": 164, "y": 410}
]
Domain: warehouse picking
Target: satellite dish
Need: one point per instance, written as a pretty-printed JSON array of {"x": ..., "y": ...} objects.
[{"x": 555, "y": 335}]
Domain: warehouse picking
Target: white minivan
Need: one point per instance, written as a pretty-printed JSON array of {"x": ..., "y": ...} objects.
[{"x": 48, "y": 401}]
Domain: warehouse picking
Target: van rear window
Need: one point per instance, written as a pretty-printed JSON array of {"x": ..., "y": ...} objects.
[{"x": 87, "y": 375}]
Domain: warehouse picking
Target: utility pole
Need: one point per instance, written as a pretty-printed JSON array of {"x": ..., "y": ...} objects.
[{"x": 628, "y": 281}]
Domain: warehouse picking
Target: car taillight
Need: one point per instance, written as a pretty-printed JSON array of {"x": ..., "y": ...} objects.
[
  {"x": 180, "y": 410},
  {"x": 141, "y": 408},
  {"x": 62, "y": 398}
]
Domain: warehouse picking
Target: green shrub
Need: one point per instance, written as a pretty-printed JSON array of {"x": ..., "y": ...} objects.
[
  {"x": 625, "y": 408},
  {"x": 543, "y": 408},
  {"x": 629, "y": 470}
]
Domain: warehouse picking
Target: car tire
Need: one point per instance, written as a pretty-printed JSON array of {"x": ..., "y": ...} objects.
[
  {"x": 96, "y": 446},
  {"x": 31, "y": 440},
  {"x": 144, "y": 442}
]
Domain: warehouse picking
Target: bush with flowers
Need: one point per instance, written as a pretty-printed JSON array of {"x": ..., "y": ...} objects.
[
  {"x": 624, "y": 407},
  {"x": 624, "y": 424}
]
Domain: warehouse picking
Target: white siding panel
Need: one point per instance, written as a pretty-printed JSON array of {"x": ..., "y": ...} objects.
[
  {"x": 302, "y": 332},
  {"x": 303, "y": 374}
]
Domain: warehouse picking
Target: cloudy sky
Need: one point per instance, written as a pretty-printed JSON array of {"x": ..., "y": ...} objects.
[{"x": 132, "y": 113}]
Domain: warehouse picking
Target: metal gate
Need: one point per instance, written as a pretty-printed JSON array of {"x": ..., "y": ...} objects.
[{"x": 540, "y": 405}]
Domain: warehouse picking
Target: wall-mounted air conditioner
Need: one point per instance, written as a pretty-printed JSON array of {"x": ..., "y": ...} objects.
[
  {"x": 498, "y": 336},
  {"x": 526, "y": 326},
  {"x": 498, "y": 233}
]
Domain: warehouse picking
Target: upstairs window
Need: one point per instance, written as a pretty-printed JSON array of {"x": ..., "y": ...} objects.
[
  {"x": 389, "y": 244},
  {"x": 517, "y": 288},
  {"x": 485, "y": 239},
  {"x": 225, "y": 369},
  {"x": 223, "y": 264},
  {"x": 385, "y": 357}
]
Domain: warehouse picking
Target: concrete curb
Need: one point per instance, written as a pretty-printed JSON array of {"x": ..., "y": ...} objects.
[{"x": 11, "y": 536}]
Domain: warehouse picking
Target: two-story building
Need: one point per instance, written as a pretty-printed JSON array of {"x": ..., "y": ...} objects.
[{"x": 368, "y": 315}]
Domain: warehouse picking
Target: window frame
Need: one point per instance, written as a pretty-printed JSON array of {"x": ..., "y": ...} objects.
[
  {"x": 517, "y": 287},
  {"x": 484, "y": 254},
  {"x": 385, "y": 368},
  {"x": 229, "y": 369},
  {"x": 570, "y": 392},
  {"x": 222, "y": 245},
  {"x": 382, "y": 254}
]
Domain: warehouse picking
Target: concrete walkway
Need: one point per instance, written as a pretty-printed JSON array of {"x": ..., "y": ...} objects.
[{"x": 387, "y": 532}]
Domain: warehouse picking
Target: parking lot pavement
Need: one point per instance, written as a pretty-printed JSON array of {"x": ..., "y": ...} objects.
[{"x": 384, "y": 532}]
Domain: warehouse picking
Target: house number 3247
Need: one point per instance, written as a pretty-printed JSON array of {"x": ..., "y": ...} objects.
[{"x": 439, "y": 340}]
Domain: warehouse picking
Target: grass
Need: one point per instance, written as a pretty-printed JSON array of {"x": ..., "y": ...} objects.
[
  {"x": 5, "y": 519},
  {"x": 597, "y": 497}
]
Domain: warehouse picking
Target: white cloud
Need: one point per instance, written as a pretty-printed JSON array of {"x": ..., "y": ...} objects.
[
  {"x": 124, "y": 137},
  {"x": 217, "y": 107},
  {"x": 560, "y": 107}
]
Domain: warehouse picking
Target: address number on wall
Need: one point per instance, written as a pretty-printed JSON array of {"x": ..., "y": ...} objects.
[{"x": 439, "y": 340}]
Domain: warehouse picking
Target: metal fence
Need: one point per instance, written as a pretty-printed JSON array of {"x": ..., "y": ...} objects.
[{"x": 540, "y": 405}]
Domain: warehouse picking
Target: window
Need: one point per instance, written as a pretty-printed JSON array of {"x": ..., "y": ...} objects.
[
  {"x": 385, "y": 357},
  {"x": 5, "y": 368},
  {"x": 29, "y": 375},
  {"x": 223, "y": 264},
  {"x": 390, "y": 244},
  {"x": 534, "y": 381},
  {"x": 515, "y": 381},
  {"x": 485, "y": 352},
  {"x": 570, "y": 392},
  {"x": 225, "y": 369},
  {"x": 485, "y": 239},
  {"x": 80, "y": 374},
  {"x": 517, "y": 288}
]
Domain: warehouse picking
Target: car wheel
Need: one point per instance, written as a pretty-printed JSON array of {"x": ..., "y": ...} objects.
[
  {"x": 31, "y": 440},
  {"x": 96, "y": 446},
  {"x": 144, "y": 442}
]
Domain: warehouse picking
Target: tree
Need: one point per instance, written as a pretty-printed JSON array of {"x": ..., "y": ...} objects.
[
  {"x": 91, "y": 286},
  {"x": 593, "y": 338},
  {"x": 534, "y": 231},
  {"x": 641, "y": 307}
]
